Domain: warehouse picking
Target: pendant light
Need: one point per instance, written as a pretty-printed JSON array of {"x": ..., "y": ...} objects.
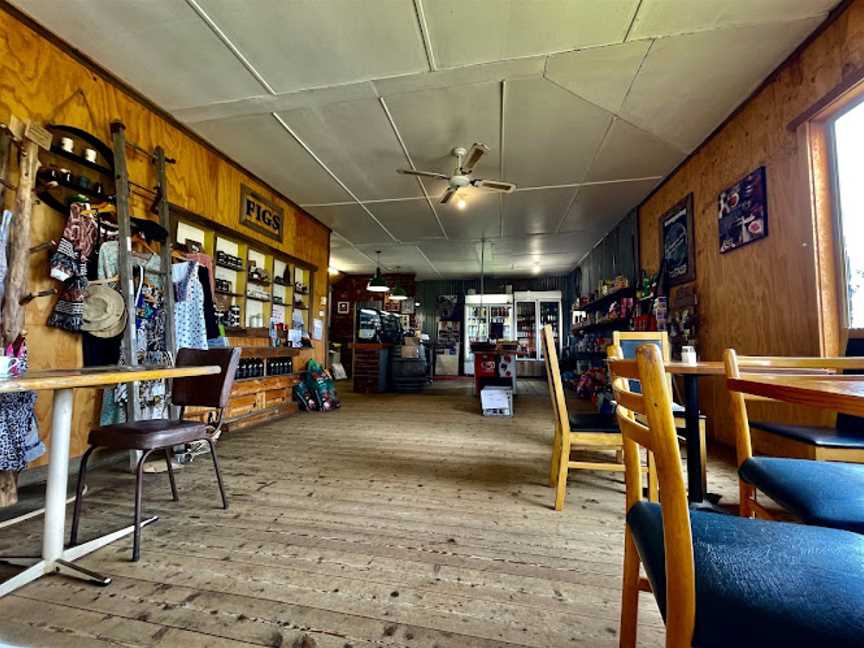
[
  {"x": 398, "y": 293},
  {"x": 377, "y": 283}
]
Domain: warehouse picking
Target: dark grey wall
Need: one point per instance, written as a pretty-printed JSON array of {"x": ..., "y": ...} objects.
[{"x": 617, "y": 254}]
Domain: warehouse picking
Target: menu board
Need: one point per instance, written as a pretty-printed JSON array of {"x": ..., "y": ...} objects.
[
  {"x": 742, "y": 212},
  {"x": 677, "y": 248}
]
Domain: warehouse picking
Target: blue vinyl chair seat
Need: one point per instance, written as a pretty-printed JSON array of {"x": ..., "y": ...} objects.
[
  {"x": 761, "y": 583},
  {"x": 593, "y": 422},
  {"x": 824, "y": 493},
  {"x": 825, "y": 437}
]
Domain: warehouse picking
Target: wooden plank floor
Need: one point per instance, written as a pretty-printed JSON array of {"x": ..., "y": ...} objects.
[{"x": 399, "y": 520}]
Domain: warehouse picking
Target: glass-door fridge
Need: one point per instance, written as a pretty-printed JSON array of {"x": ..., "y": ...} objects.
[
  {"x": 488, "y": 318},
  {"x": 535, "y": 309}
]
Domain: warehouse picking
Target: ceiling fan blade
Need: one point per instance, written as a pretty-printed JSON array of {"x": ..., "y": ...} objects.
[
  {"x": 423, "y": 174},
  {"x": 451, "y": 191},
  {"x": 494, "y": 185},
  {"x": 473, "y": 157}
]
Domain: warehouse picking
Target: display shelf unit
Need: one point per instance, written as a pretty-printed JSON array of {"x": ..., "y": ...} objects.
[
  {"x": 606, "y": 299},
  {"x": 604, "y": 325},
  {"x": 258, "y": 301}
]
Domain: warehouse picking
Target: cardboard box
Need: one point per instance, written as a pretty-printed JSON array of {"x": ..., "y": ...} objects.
[{"x": 497, "y": 401}]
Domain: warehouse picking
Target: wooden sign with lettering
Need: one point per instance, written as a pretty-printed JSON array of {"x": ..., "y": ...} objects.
[{"x": 260, "y": 214}]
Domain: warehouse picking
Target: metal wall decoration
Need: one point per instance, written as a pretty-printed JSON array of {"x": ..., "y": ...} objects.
[
  {"x": 260, "y": 214},
  {"x": 677, "y": 245},
  {"x": 742, "y": 211}
]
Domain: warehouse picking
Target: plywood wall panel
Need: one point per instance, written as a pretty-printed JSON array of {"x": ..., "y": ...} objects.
[
  {"x": 41, "y": 82},
  {"x": 762, "y": 298}
]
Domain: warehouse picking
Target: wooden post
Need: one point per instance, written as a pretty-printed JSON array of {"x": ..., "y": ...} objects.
[{"x": 19, "y": 244}]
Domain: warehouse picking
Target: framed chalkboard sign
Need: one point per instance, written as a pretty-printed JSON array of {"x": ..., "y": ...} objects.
[{"x": 677, "y": 248}]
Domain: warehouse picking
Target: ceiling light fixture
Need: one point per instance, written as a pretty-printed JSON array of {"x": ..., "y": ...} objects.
[
  {"x": 398, "y": 293},
  {"x": 461, "y": 204},
  {"x": 536, "y": 267},
  {"x": 377, "y": 283},
  {"x": 331, "y": 270}
]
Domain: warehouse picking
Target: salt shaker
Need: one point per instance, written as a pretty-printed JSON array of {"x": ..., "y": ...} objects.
[{"x": 688, "y": 355}]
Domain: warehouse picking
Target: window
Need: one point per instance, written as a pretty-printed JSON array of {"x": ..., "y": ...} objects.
[{"x": 849, "y": 161}]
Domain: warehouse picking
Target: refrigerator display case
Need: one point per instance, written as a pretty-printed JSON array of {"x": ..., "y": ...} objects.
[
  {"x": 488, "y": 318},
  {"x": 535, "y": 309}
]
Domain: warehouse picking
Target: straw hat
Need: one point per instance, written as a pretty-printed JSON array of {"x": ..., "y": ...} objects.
[{"x": 104, "y": 312}]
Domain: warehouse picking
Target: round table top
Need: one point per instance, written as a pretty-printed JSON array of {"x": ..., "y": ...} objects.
[{"x": 53, "y": 379}]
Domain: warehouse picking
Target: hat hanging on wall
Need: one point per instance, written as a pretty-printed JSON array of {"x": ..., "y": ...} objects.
[{"x": 104, "y": 312}]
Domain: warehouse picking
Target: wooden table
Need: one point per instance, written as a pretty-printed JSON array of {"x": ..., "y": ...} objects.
[
  {"x": 63, "y": 382},
  {"x": 840, "y": 393},
  {"x": 697, "y": 483}
]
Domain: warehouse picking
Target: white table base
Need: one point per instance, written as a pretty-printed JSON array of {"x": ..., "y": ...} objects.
[{"x": 55, "y": 559}]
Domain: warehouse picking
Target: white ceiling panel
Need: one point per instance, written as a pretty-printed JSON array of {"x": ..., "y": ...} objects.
[
  {"x": 535, "y": 212},
  {"x": 408, "y": 220},
  {"x": 160, "y": 47},
  {"x": 472, "y": 75},
  {"x": 309, "y": 43},
  {"x": 598, "y": 208},
  {"x": 481, "y": 218},
  {"x": 601, "y": 75},
  {"x": 356, "y": 142},
  {"x": 669, "y": 17},
  {"x": 352, "y": 222},
  {"x": 261, "y": 145},
  {"x": 348, "y": 259},
  {"x": 550, "y": 135},
  {"x": 542, "y": 244},
  {"x": 434, "y": 121},
  {"x": 449, "y": 251},
  {"x": 398, "y": 257},
  {"x": 683, "y": 91},
  {"x": 464, "y": 33},
  {"x": 630, "y": 152}
]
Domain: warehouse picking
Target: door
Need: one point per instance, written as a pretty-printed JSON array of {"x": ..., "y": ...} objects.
[
  {"x": 550, "y": 313},
  {"x": 526, "y": 330}
]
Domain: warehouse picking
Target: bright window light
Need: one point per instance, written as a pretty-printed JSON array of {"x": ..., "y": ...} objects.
[{"x": 849, "y": 142}]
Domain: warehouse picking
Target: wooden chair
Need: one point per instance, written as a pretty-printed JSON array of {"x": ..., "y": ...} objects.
[
  {"x": 843, "y": 442},
  {"x": 567, "y": 438},
  {"x": 161, "y": 434},
  {"x": 629, "y": 341},
  {"x": 723, "y": 580},
  {"x": 825, "y": 493}
]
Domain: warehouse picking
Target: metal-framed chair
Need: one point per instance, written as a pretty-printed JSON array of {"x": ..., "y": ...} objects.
[{"x": 163, "y": 434}]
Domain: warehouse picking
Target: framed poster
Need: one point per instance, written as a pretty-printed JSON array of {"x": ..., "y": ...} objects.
[
  {"x": 742, "y": 212},
  {"x": 343, "y": 307},
  {"x": 677, "y": 247}
]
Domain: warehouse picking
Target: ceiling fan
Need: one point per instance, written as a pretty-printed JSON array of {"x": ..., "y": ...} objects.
[{"x": 466, "y": 160}]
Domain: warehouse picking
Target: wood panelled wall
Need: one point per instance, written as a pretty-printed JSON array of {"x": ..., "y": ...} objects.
[
  {"x": 40, "y": 82},
  {"x": 762, "y": 298}
]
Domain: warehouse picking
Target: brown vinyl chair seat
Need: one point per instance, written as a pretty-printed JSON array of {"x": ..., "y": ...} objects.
[{"x": 147, "y": 435}]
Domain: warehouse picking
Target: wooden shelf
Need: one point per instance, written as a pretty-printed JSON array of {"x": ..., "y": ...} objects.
[
  {"x": 229, "y": 294},
  {"x": 77, "y": 159},
  {"x": 228, "y": 267},
  {"x": 606, "y": 299},
  {"x": 598, "y": 326},
  {"x": 268, "y": 352}
]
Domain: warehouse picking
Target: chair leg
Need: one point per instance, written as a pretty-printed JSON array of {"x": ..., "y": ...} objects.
[
  {"x": 556, "y": 458},
  {"x": 629, "y": 594},
  {"x": 563, "y": 467},
  {"x": 139, "y": 492},
  {"x": 168, "y": 454},
  {"x": 79, "y": 495},
  {"x": 218, "y": 473}
]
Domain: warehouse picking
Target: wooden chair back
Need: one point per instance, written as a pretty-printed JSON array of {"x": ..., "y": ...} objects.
[
  {"x": 658, "y": 436},
  {"x": 205, "y": 391},
  {"x": 556, "y": 385},
  {"x": 762, "y": 365}
]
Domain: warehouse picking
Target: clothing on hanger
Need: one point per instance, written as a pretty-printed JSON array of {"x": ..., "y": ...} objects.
[
  {"x": 190, "y": 329},
  {"x": 210, "y": 322},
  {"x": 19, "y": 430},
  {"x": 69, "y": 265}
]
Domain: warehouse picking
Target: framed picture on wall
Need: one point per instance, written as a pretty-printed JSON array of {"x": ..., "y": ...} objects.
[
  {"x": 677, "y": 246},
  {"x": 343, "y": 307},
  {"x": 742, "y": 212}
]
